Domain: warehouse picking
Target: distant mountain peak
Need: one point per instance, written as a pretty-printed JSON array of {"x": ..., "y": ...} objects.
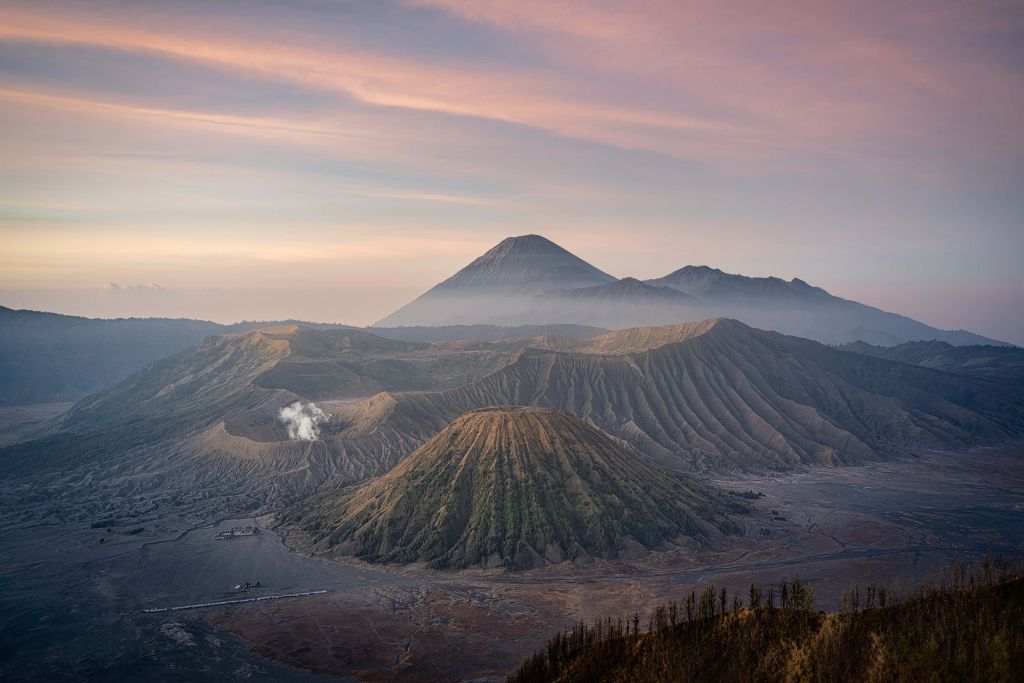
[
  {"x": 526, "y": 263},
  {"x": 521, "y": 266},
  {"x": 523, "y": 242},
  {"x": 699, "y": 269},
  {"x": 705, "y": 281},
  {"x": 529, "y": 280}
]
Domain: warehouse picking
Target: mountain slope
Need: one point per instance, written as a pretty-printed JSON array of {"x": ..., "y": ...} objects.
[
  {"x": 49, "y": 357},
  {"x": 529, "y": 280},
  {"x": 513, "y": 487},
  {"x": 627, "y": 290},
  {"x": 721, "y": 394},
  {"x": 529, "y": 263},
  {"x": 797, "y": 308},
  {"x": 998, "y": 363},
  {"x": 485, "y": 332},
  {"x": 704, "y": 396},
  {"x": 171, "y": 398},
  {"x": 711, "y": 283},
  {"x": 964, "y": 630},
  {"x": 243, "y": 379},
  {"x": 509, "y": 274},
  {"x": 622, "y": 303}
]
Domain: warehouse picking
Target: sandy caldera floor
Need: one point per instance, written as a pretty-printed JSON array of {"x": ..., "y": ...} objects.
[{"x": 892, "y": 523}]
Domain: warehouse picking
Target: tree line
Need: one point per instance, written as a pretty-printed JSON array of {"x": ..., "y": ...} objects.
[{"x": 967, "y": 625}]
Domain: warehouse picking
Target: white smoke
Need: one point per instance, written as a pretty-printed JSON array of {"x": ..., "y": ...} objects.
[{"x": 303, "y": 420}]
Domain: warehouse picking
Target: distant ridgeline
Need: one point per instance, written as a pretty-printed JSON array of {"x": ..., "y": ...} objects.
[
  {"x": 525, "y": 286},
  {"x": 48, "y": 357},
  {"x": 702, "y": 396},
  {"x": 969, "y": 627},
  {"x": 999, "y": 363},
  {"x": 530, "y": 280}
]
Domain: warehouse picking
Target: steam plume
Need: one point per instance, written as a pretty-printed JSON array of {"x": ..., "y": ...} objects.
[{"x": 302, "y": 420}]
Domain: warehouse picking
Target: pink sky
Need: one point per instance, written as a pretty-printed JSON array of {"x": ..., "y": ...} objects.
[{"x": 367, "y": 150}]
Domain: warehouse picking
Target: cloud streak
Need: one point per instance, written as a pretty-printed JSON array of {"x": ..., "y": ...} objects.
[
  {"x": 394, "y": 138},
  {"x": 543, "y": 99},
  {"x": 710, "y": 82}
]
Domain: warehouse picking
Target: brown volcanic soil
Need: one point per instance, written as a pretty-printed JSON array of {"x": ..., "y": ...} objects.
[{"x": 892, "y": 523}]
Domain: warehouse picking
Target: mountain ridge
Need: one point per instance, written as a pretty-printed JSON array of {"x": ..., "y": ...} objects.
[
  {"x": 724, "y": 395},
  {"x": 997, "y": 363},
  {"x": 706, "y": 396},
  {"x": 485, "y": 293},
  {"x": 52, "y": 357}
]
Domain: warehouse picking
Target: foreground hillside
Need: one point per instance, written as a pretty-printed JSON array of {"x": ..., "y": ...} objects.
[
  {"x": 515, "y": 487},
  {"x": 964, "y": 630}
]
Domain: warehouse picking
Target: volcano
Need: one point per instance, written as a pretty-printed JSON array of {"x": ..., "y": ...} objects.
[{"x": 515, "y": 487}]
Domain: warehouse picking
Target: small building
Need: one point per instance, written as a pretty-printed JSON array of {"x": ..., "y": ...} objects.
[{"x": 238, "y": 531}]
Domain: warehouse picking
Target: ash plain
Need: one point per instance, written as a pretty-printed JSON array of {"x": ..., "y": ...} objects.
[{"x": 83, "y": 555}]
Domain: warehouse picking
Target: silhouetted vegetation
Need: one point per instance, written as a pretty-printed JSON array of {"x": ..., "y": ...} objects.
[{"x": 967, "y": 627}]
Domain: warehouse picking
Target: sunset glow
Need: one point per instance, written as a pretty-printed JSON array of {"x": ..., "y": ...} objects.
[{"x": 242, "y": 155}]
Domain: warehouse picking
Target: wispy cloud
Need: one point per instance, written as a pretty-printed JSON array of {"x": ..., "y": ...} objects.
[
  {"x": 537, "y": 98},
  {"x": 699, "y": 81},
  {"x": 146, "y": 138}
]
